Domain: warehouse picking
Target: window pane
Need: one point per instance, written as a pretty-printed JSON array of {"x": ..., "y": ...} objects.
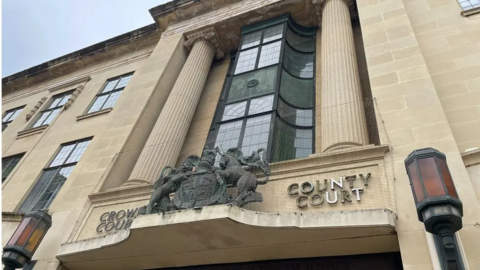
[
  {"x": 246, "y": 60},
  {"x": 78, "y": 152},
  {"x": 235, "y": 110},
  {"x": 8, "y": 164},
  {"x": 17, "y": 112},
  {"x": 62, "y": 155},
  {"x": 228, "y": 135},
  {"x": 98, "y": 103},
  {"x": 52, "y": 116},
  {"x": 259, "y": 105},
  {"x": 64, "y": 100},
  {"x": 256, "y": 134},
  {"x": 297, "y": 92},
  {"x": 37, "y": 190},
  {"x": 273, "y": 33},
  {"x": 41, "y": 119},
  {"x": 251, "y": 40},
  {"x": 7, "y": 116},
  {"x": 52, "y": 189},
  {"x": 291, "y": 143},
  {"x": 300, "y": 43},
  {"x": 295, "y": 116},
  {"x": 253, "y": 84},
  {"x": 270, "y": 54},
  {"x": 111, "y": 100},
  {"x": 55, "y": 102},
  {"x": 109, "y": 86},
  {"x": 123, "y": 82},
  {"x": 298, "y": 64}
]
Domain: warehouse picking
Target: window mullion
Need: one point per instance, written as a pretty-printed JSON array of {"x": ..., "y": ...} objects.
[
  {"x": 105, "y": 101},
  {"x": 69, "y": 154},
  {"x": 242, "y": 132}
]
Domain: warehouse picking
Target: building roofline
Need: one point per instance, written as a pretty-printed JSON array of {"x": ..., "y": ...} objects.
[{"x": 90, "y": 50}]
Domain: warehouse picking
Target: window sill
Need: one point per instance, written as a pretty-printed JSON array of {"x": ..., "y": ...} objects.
[
  {"x": 471, "y": 11},
  {"x": 31, "y": 131},
  {"x": 88, "y": 115}
]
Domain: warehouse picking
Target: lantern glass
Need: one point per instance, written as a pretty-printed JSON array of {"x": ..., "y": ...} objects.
[
  {"x": 27, "y": 232},
  {"x": 417, "y": 186},
  {"x": 19, "y": 231},
  {"x": 442, "y": 164},
  {"x": 431, "y": 177},
  {"x": 36, "y": 237}
]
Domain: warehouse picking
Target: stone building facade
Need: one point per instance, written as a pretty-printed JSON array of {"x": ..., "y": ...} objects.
[{"x": 330, "y": 88}]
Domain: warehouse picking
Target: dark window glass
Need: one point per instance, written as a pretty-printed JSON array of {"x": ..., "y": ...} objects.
[
  {"x": 54, "y": 176},
  {"x": 8, "y": 164},
  {"x": 30, "y": 265},
  {"x": 297, "y": 92},
  {"x": 252, "y": 84},
  {"x": 10, "y": 115},
  {"x": 266, "y": 108},
  {"x": 47, "y": 115},
  {"x": 297, "y": 63},
  {"x": 110, "y": 93}
]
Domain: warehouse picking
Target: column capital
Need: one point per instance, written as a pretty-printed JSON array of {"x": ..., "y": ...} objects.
[
  {"x": 211, "y": 36},
  {"x": 320, "y": 4}
]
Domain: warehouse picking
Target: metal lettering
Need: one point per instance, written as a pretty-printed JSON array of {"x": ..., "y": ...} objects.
[
  {"x": 103, "y": 217},
  {"x": 310, "y": 188},
  {"x": 290, "y": 191},
  {"x": 111, "y": 217},
  {"x": 119, "y": 217},
  {"x": 319, "y": 189},
  {"x": 346, "y": 196},
  {"x": 303, "y": 197},
  {"x": 109, "y": 228},
  {"x": 328, "y": 197},
  {"x": 98, "y": 227},
  {"x": 350, "y": 179},
  {"x": 365, "y": 179},
  {"x": 132, "y": 213},
  {"x": 318, "y": 202},
  {"x": 340, "y": 183},
  {"x": 128, "y": 223},
  {"x": 358, "y": 191},
  {"x": 122, "y": 222}
]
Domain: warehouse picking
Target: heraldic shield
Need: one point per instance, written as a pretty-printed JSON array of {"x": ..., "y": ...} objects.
[{"x": 200, "y": 190}]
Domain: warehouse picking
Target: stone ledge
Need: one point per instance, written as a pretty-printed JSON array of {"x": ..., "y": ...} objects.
[
  {"x": 92, "y": 114},
  {"x": 470, "y": 12},
  {"x": 471, "y": 158},
  {"x": 121, "y": 193},
  {"x": 31, "y": 131},
  {"x": 223, "y": 233}
]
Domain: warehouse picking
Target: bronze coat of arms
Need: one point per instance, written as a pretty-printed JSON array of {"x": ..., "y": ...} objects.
[{"x": 199, "y": 183}]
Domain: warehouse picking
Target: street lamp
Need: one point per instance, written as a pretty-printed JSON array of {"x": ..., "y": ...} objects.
[
  {"x": 23, "y": 243},
  {"x": 436, "y": 199}
]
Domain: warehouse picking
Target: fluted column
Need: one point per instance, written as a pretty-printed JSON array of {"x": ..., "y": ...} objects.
[
  {"x": 342, "y": 113},
  {"x": 168, "y": 135}
]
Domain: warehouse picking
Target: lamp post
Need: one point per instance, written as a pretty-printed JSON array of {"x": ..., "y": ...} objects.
[
  {"x": 23, "y": 243},
  {"x": 436, "y": 199}
]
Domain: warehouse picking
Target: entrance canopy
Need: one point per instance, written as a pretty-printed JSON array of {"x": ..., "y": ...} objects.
[{"x": 228, "y": 234}]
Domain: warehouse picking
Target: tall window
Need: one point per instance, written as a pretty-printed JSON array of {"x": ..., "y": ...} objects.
[
  {"x": 269, "y": 94},
  {"x": 47, "y": 115},
  {"x": 54, "y": 176},
  {"x": 9, "y": 116},
  {"x": 8, "y": 164},
  {"x": 469, "y": 4},
  {"x": 110, "y": 93}
]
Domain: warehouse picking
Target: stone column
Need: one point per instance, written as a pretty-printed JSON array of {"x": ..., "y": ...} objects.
[
  {"x": 168, "y": 135},
  {"x": 342, "y": 113}
]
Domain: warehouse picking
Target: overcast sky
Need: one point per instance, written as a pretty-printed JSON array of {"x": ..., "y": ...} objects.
[{"x": 36, "y": 31}]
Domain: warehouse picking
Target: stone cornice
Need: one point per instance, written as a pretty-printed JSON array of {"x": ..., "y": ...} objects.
[
  {"x": 12, "y": 217},
  {"x": 209, "y": 34}
]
